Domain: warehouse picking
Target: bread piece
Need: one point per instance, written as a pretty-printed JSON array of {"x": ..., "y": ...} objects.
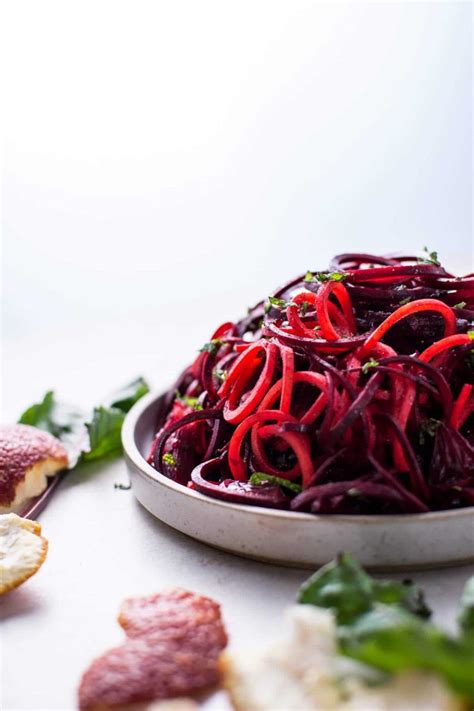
[
  {"x": 22, "y": 550},
  {"x": 28, "y": 456}
]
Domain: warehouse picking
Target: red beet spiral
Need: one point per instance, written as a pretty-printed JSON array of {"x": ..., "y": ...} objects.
[{"x": 347, "y": 391}]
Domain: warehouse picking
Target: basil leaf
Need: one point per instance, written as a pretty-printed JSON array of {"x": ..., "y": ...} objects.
[
  {"x": 342, "y": 586},
  {"x": 126, "y": 397},
  {"x": 61, "y": 420},
  {"x": 406, "y": 594},
  {"x": 392, "y": 639},
  {"x": 84, "y": 439},
  {"x": 104, "y": 433},
  {"x": 380, "y": 623},
  {"x": 345, "y": 587}
]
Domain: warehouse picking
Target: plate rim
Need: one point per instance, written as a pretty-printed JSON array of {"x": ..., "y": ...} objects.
[{"x": 133, "y": 453}]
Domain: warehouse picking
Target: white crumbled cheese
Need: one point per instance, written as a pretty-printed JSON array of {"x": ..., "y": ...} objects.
[{"x": 303, "y": 672}]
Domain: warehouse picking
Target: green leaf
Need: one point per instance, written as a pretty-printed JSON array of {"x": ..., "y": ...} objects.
[
  {"x": 381, "y": 623},
  {"x": 39, "y": 414},
  {"x": 406, "y": 594},
  {"x": 466, "y": 614},
  {"x": 126, "y": 397},
  {"x": 309, "y": 276},
  {"x": 461, "y": 305},
  {"x": 342, "y": 586},
  {"x": 392, "y": 639},
  {"x": 104, "y": 433},
  {"x": 260, "y": 478},
  {"x": 405, "y": 301},
  {"x": 62, "y": 421},
  {"x": 345, "y": 587},
  {"x": 81, "y": 438}
]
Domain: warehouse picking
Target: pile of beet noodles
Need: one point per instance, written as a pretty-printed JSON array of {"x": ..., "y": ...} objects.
[{"x": 347, "y": 391}]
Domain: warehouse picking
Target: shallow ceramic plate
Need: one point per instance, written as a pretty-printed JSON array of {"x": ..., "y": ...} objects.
[{"x": 402, "y": 542}]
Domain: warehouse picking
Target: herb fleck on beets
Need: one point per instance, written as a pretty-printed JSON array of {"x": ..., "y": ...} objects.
[
  {"x": 211, "y": 347},
  {"x": 169, "y": 459}
]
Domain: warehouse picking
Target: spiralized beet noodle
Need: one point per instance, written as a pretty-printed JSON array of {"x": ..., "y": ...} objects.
[{"x": 347, "y": 391}]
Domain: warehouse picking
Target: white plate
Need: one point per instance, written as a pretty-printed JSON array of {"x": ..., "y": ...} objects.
[{"x": 402, "y": 542}]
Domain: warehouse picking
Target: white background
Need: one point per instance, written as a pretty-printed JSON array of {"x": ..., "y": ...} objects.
[{"x": 167, "y": 164}]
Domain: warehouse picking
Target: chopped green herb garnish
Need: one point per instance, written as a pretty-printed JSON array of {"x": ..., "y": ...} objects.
[
  {"x": 189, "y": 401},
  {"x": 471, "y": 335},
  {"x": 405, "y": 301},
  {"x": 353, "y": 492},
  {"x": 461, "y": 305},
  {"x": 304, "y": 307},
  {"x": 431, "y": 257},
  {"x": 428, "y": 427},
  {"x": 325, "y": 276},
  {"x": 212, "y": 347},
  {"x": 169, "y": 459},
  {"x": 278, "y": 303},
  {"x": 371, "y": 363},
  {"x": 220, "y": 374},
  {"x": 123, "y": 487},
  {"x": 330, "y": 276},
  {"x": 259, "y": 478}
]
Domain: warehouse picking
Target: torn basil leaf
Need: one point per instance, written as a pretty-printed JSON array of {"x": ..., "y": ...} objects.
[
  {"x": 345, "y": 587},
  {"x": 61, "y": 420},
  {"x": 382, "y": 623},
  {"x": 125, "y": 398},
  {"x": 86, "y": 438}
]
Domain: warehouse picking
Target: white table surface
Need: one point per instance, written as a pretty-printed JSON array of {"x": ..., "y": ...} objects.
[
  {"x": 104, "y": 547},
  {"x": 166, "y": 165}
]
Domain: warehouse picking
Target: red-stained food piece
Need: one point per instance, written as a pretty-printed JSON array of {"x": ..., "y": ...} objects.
[
  {"x": 173, "y": 614},
  {"x": 22, "y": 448},
  {"x": 174, "y": 640}
]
